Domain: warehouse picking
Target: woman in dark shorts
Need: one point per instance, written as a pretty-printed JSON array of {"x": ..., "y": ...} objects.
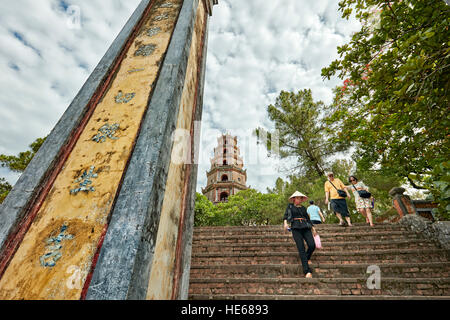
[{"x": 337, "y": 203}]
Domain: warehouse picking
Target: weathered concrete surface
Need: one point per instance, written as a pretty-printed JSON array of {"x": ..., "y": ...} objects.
[
  {"x": 436, "y": 231},
  {"x": 126, "y": 257},
  {"x": 85, "y": 214}
]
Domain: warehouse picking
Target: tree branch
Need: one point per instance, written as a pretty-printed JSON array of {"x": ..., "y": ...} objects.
[{"x": 415, "y": 186}]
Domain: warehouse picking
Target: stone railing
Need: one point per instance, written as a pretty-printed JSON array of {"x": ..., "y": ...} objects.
[
  {"x": 438, "y": 231},
  {"x": 405, "y": 205},
  {"x": 416, "y": 215}
]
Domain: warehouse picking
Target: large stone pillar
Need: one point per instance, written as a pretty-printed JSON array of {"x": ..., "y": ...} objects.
[{"x": 105, "y": 209}]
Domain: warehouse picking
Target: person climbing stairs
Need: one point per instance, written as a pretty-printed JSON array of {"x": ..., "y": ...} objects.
[{"x": 262, "y": 262}]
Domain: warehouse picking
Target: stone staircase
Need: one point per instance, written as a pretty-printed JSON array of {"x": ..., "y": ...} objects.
[{"x": 263, "y": 263}]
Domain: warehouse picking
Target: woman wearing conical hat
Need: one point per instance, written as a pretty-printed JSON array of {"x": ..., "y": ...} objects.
[{"x": 302, "y": 230}]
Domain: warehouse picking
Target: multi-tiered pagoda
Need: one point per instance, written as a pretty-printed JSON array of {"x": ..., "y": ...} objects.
[{"x": 226, "y": 176}]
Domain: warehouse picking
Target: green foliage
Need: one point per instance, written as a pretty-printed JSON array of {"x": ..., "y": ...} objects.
[
  {"x": 5, "y": 187},
  {"x": 300, "y": 131},
  {"x": 204, "y": 211},
  {"x": 438, "y": 185},
  {"x": 247, "y": 207},
  {"x": 394, "y": 101},
  {"x": 20, "y": 162}
]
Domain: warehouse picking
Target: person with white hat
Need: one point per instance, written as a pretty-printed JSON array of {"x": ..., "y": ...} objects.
[{"x": 302, "y": 229}]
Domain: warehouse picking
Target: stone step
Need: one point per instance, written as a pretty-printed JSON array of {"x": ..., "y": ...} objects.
[
  {"x": 320, "y": 286},
  {"x": 325, "y": 228},
  {"x": 285, "y": 236},
  {"x": 310, "y": 297},
  {"x": 321, "y": 270},
  {"x": 327, "y": 245},
  {"x": 321, "y": 256}
]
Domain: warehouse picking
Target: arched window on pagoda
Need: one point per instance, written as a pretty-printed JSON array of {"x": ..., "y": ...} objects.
[
  {"x": 224, "y": 177},
  {"x": 224, "y": 196}
]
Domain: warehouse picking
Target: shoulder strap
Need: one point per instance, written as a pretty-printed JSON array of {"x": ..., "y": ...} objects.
[{"x": 332, "y": 184}]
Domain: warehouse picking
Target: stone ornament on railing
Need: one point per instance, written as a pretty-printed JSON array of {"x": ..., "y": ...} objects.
[
  {"x": 85, "y": 181},
  {"x": 121, "y": 98},
  {"x": 53, "y": 254},
  {"x": 106, "y": 131},
  {"x": 401, "y": 202},
  {"x": 398, "y": 191}
]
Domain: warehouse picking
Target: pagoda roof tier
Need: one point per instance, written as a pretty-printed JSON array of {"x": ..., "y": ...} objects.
[
  {"x": 227, "y": 167},
  {"x": 224, "y": 184}
]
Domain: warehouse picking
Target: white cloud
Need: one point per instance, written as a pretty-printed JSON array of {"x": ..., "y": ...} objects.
[
  {"x": 255, "y": 50},
  {"x": 44, "y": 62}
]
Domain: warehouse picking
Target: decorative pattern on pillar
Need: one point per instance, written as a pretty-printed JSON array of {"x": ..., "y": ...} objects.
[
  {"x": 84, "y": 208},
  {"x": 90, "y": 215}
]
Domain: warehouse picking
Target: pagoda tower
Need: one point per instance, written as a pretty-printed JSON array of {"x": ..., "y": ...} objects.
[{"x": 226, "y": 176}]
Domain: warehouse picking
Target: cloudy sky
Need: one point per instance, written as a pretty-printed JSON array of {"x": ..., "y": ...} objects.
[{"x": 256, "y": 49}]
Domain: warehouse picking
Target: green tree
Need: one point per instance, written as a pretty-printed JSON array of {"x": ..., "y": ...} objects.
[
  {"x": 280, "y": 186},
  {"x": 5, "y": 188},
  {"x": 17, "y": 164},
  {"x": 438, "y": 185},
  {"x": 20, "y": 162},
  {"x": 247, "y": 207},
  {"x": 204, "y": 211},
  {"x": 394, "y": 101},
  {"x": 301, "y": 132}
]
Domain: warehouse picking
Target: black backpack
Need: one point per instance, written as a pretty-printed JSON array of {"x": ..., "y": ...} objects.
[{"x": 289, "y": 216}]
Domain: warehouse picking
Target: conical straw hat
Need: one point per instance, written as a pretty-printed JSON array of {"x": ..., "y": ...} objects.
[{"x": 297, "y": 194}]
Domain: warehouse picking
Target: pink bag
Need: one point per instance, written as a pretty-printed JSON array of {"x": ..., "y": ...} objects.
[{"x": 317, "y": 241}]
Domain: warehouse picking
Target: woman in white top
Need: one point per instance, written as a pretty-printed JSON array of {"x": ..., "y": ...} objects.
[{"x": 363, "y": 205}]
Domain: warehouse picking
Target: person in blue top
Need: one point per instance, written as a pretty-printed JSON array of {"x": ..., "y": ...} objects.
[{"x": 315, "y": 214}]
